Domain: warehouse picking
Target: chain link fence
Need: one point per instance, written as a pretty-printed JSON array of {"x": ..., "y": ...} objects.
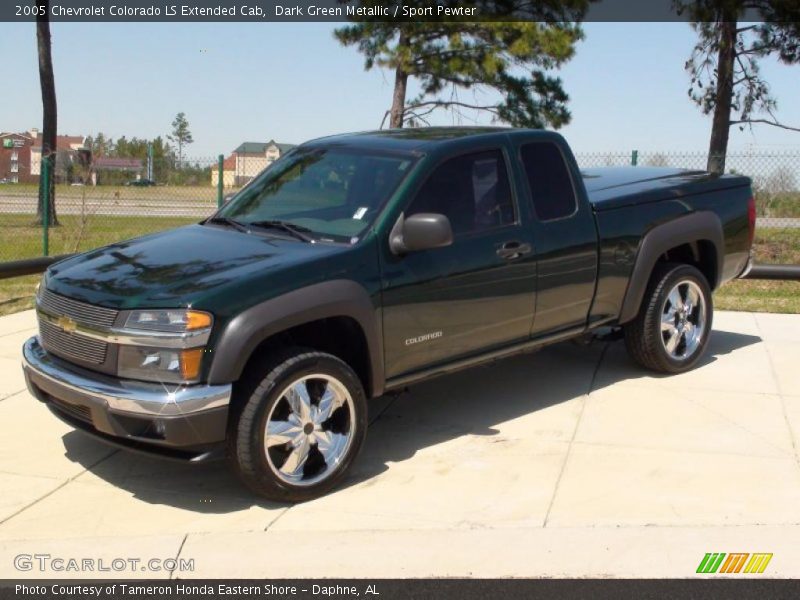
[{"x": 95, "y": 207}]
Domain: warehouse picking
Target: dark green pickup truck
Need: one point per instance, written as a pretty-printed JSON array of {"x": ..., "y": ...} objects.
[{"x": 359, "y": 264}]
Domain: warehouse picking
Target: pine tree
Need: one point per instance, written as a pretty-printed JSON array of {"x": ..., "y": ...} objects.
[
  {"x": 724, "y": 65},
  {"x": 181, "y": 134},
  {"x": 514, "y": 58}
]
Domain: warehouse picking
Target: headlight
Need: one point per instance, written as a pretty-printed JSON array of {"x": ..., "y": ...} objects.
[
  {"x": 159, "y": 364},
  {"x": 160, "y": 352},
  {"x": 168, "y": 320}
]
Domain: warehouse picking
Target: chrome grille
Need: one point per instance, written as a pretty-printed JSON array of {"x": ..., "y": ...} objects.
[
  {"x": 71, "y": 345},
  {"x": 88, "y": 314}
]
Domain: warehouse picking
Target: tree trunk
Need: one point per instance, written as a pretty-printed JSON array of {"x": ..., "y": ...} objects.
[
  {"x": 720, "y": 128},
  {"x": 49, "y": 110},
  {"x": 400, "y": 85}
]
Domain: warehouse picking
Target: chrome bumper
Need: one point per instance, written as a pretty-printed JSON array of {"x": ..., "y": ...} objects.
[{"x": 118, "y": 395}]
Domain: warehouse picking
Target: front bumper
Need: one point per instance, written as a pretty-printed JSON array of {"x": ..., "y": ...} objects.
[{"x": 184, "y": 422}]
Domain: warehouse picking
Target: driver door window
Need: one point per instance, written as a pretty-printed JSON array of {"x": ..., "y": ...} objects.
[{"x": 471, "y": 190}]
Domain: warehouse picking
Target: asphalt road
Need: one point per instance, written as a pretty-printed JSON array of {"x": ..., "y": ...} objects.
[
  {"x": 98, "y": 204},
  {"x": 109, "y": 206}
]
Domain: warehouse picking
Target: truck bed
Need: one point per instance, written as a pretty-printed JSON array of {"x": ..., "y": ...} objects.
[{"x": 615, "y": 187}]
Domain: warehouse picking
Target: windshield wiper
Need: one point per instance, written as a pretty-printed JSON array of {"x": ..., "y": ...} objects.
[
  {"x": 297, "y": 231},
  {"x": 229, "y": 222}
]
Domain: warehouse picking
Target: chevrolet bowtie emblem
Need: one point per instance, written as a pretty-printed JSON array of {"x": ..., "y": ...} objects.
[{"x": 66, "y": 324}]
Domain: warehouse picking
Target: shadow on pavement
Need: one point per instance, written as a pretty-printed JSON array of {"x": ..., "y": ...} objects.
[{"x": 471, "y": 402}]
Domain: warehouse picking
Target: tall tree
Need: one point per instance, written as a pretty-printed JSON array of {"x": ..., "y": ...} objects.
[
  {"x": 181, "y": 135},
  {"x": 726, "y": 81},
  {"x": 49, "y": 109},
  {"x": 513, "y": 58}
]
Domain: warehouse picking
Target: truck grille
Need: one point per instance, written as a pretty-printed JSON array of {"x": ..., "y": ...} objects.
[
  {"x": 71, "y": 345},
  {"x": 81, "y": 312}
]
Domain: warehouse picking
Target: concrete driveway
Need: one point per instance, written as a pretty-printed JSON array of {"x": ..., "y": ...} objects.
[{"x": 568, "y": 462}]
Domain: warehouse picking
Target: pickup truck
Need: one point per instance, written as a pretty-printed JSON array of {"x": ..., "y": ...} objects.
[{"x": 359, "y": 264}]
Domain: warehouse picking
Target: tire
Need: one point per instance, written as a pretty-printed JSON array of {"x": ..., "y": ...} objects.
[
  {"x": 676, "y": 344},
  {"x": 289, "y": 461}
]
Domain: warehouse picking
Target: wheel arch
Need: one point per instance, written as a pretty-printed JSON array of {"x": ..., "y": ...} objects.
[
  {"x": 339, "y": 312},
  {"x": 695, "y": 238}
]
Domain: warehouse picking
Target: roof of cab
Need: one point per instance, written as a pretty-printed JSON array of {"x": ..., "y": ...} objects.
[{"x": 409, "y": 139}]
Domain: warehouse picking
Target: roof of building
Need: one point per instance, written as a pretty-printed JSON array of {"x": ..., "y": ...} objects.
[
  {"x": 261, "y": 147},
  {"x": 229, "y": 164},
  {"x": 64, "y": 142},
  {"x": 10, "y": 133}
]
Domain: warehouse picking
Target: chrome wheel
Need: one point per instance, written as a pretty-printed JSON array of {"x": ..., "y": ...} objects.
[
  {"x": 309, "y": 430},
  {"x": 683, "y": 320}
]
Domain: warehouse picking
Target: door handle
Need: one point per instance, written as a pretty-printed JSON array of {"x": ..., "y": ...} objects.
[{"x": 513, "y": 250}]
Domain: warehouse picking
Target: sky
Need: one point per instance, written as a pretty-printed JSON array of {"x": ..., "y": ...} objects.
[{"x": 293, "y": 82}]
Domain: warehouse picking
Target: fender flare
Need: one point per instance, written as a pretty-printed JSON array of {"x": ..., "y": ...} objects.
[
  {"x": 336, "y": 298},
  {"x": 694, "y": 227}
]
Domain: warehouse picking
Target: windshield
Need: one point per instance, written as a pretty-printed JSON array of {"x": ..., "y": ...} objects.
[{"x": 334, "y": 194}]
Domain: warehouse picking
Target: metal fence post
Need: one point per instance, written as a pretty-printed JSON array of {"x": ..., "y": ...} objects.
[
  {"x": 45, "y": 206},
  {"x": 634, "y": 157},
  {"x": 220, "y": 178}
]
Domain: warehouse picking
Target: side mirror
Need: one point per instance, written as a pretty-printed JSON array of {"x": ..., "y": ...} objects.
[{"x": 422, "y": 231}]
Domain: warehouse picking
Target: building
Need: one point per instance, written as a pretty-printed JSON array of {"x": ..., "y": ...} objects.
[
  {"x": 247, "y": 161},
  {"x": 21, "y": 155},
  {"x": 15, "y": 157}
]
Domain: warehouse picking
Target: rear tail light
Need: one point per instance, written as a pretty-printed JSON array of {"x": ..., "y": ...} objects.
[{"x": 751, "y": 219}]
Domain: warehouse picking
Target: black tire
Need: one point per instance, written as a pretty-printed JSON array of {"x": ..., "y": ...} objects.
[
  {"x": 644, "y": 339},
  {"x": 246, "y": 447}
]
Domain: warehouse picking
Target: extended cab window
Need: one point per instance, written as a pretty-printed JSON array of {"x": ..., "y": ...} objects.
[
  {"x": 549, "y": 181},
  {"x": 471, "y": 190}
]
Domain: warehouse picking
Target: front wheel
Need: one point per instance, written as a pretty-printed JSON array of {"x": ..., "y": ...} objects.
[
  {"x": 300, "y": 428},
  {"x": 672, "y": 329}
]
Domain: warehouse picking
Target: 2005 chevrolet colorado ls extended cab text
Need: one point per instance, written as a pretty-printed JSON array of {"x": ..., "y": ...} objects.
[{"x": 359, "y": 264}]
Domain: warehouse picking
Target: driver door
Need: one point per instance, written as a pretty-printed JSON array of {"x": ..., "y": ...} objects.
[{"x": 478, "y": 293}]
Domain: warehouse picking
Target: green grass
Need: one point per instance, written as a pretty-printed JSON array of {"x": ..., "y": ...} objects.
[
  {"x": 771, "y": 246},
  {"x": 783, "y": 204},
  {"x": 20, "y": 239}
]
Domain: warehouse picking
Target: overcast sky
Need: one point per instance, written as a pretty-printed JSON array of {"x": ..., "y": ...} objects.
[{"x": 293, "y": 82}]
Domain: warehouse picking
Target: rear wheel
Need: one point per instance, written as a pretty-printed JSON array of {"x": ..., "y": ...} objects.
[
  {"x": 672, "y": 329},
  {"x": 300, "y": 428}
]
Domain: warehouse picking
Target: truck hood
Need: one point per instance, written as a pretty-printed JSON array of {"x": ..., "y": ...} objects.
[{"x": 180, "y": 267}]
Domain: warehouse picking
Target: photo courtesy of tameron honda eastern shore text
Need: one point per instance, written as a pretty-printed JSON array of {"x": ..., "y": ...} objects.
[{"x": 359, "y": 264}]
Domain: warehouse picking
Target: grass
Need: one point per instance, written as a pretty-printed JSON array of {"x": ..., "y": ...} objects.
[
  {"x": 22, "y": 240},
  {"x": 778, "y": 205},
  {"x": 771, "y": 246}
]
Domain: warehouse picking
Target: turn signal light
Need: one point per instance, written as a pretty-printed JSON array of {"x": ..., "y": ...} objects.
[
  {"x": 197, "y": 320},
  {"x": 190, "y": 363}
]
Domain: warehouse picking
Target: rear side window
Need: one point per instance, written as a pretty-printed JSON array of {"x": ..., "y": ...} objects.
[
  {"x": 549, "y": 181},
  {"x": 471, "y": 190}
]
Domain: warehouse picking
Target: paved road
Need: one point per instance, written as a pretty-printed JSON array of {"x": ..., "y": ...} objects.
[
  {"x": 170, "y": 207},
  {"x": 110, "y": 206},
  {"x": 568, "y": 462}
]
